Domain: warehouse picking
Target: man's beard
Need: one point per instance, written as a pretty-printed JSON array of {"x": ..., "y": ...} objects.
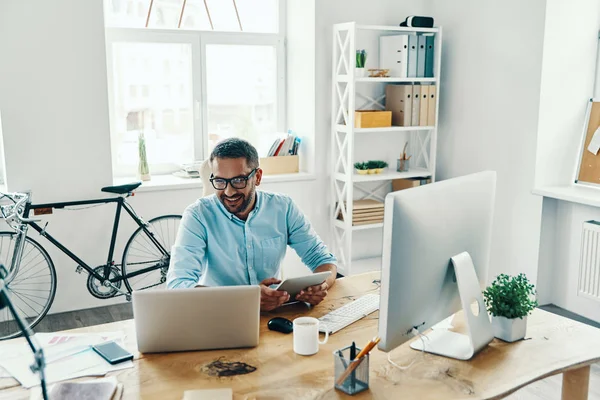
[{"x": 243, "y": 202}]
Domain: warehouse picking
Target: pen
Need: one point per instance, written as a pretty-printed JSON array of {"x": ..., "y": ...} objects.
[
  {"x": 352, "y": 357},
  {"x": 356, "y": 362}
]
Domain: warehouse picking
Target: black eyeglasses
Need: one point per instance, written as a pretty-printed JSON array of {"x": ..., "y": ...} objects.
[{"x": 239, "y": 182}]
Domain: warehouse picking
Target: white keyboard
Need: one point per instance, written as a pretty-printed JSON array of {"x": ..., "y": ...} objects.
[{"x": 349, "y": 313}]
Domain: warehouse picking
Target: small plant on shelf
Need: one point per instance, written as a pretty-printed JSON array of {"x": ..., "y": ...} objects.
[
  {"x": 509, "y": 299},
  {"x": 361, "y": 60},
  {"x": 361, "y": 168},
  {"x": 376, "y": 166}
]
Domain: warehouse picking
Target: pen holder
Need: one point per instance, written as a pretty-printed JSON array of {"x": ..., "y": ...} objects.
[
  {"x": 402, "y": 165},
  {"x": 357, "y": 380}
]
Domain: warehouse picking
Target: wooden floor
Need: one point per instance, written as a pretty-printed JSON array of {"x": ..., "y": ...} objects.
[{"x": 548, "y": 389}]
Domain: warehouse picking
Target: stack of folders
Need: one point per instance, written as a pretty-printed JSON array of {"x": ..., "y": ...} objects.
[
  {"x": 366, "y": 212},
  {"x": 411, "y": 105},
  {"x": 287, "y": 146},
  {"x": 407, "y": 56}
]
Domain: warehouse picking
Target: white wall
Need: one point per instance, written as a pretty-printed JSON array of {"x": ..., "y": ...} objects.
[
  {"x": 567, "y": 84},
  {"x": 490, "y": 83},
  {"x": 53, "y": 97}
]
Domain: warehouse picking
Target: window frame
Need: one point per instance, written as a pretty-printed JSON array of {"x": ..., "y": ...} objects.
[{"x": 198, "y": 39}]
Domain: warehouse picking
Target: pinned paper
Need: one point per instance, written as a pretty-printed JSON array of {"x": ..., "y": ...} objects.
[{"x": 594, "y": 145}]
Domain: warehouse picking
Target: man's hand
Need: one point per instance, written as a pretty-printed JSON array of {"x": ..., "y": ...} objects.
[
  {"x": 313, "y": 294},
  {"x": 270, "y": 299}
]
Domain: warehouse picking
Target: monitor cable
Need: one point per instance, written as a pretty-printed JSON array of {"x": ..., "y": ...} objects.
[{"x": 415, "y": 332}]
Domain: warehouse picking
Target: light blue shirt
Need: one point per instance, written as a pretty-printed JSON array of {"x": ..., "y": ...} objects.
[{"x": 216, "y": 248}]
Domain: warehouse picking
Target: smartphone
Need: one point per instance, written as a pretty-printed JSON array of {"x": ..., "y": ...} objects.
[{"x": 112, "y": 352}]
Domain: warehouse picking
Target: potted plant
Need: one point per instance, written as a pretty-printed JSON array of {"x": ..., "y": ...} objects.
[
  {"x": 372, "y": 166},
  {"x": 143, "y": 170},
  {"x": 361, "y": 168},
  {"x": 361, "y": 60},
  {"x": 380, "y": 166},
  {"x": 509, "y": 299}
]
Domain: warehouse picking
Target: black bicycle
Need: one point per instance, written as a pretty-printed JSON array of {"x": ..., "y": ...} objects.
[{"x": 31, "y": 279}]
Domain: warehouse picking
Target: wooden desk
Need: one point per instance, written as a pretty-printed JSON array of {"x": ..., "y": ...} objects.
[{"x": 555, "y": 345}]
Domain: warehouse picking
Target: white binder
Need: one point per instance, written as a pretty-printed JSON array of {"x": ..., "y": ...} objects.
[
  {"x": 393, "y": 54},
  {"x": 412, "y": 56}
]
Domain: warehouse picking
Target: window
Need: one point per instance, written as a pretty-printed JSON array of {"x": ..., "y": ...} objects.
[{"x": 194, "y": 76}]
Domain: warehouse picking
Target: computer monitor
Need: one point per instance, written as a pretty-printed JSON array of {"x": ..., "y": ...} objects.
[{"x": 430, "y": 235}]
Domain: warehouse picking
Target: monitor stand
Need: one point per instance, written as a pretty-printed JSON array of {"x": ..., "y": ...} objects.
[{"x": 479, "y": 329}]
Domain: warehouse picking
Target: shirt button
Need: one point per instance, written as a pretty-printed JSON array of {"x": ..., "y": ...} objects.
[{"x": 249, "y": 246}]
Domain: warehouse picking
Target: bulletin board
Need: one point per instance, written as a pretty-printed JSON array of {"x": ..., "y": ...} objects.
[{"x": 588, "y": 171}]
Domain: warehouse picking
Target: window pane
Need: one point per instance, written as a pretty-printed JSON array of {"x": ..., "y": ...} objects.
[
  {"x": 165, "y": 14},
  {"x": 259, "y": 15},
  {"x": 195, "y": 17},
  {"x": 255, "y": 15},
  {"x": 222, "y": 13},
  {"x": 126, "y": 13},
  {"x": 152, "y": 89},
  {"x": 241, "y": 93}
]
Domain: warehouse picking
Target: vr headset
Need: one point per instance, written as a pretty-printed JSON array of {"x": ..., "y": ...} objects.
[{"x": 415, "y": 21}]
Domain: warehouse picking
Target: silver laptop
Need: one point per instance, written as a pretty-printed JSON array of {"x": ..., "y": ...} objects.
[{"x": 196, "y": 319}]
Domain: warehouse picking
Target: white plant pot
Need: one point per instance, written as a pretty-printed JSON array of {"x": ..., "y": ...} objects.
[
  {"x": 509, "y": 330},
  {"x": 360, "y": 72}
]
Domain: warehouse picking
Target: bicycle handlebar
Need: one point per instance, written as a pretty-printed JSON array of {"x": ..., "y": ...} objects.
[{"x": 15, "y": 211}]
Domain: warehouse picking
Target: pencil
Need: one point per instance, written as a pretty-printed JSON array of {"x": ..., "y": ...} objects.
[{"x": 354, "y": 364}]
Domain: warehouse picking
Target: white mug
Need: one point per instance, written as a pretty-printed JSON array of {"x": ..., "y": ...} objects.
[{"x": 306, "y": 336}]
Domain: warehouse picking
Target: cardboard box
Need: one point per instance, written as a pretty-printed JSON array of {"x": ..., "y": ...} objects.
[
  {"x": 372, "y": 119},
  {"x": 401, "y": 184},
  {"x": 280, "y": 165}
]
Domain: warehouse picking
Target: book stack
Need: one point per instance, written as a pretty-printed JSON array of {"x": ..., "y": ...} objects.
[
  {"x": 287, "y": 146},
  {"x": 366, "y": 212}
]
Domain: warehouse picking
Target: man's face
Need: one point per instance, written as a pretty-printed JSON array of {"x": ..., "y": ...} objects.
[{"x": 236, "y": 201}]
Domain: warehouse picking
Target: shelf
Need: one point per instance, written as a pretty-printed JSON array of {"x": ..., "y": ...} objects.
[
  {"x": 581, "y": 194},
  {"x": 362, "y": 266},
  {"x": 342, "y": 225},
  {"x": 397, "y": 29},
  {"x": 344, "y": 128},
  {"x": 389, "y": 175},
  {"x": 346, "y": 78}
]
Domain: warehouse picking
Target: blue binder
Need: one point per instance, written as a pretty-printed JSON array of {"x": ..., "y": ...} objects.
[
  {"x": 421, "y": 56},
  {"x": 429, "y": 56},
  {"x": 412, "y": 56}
]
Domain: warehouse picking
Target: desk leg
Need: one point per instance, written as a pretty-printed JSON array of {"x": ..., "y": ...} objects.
[{"x": 575, "y": 385}]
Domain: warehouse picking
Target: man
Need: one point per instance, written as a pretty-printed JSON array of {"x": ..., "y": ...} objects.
[{"x": 239, "y": 236}]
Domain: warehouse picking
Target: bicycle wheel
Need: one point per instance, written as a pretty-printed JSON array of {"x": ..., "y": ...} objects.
[
  {"x": 30, "y": 286},
  {"x": 142, "y": 254}
]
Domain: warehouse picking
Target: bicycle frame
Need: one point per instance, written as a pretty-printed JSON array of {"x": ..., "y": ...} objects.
[{"x": 121, "y": 204}]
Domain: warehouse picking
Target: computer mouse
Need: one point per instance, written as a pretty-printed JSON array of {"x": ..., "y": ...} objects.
[{"x": 280, "y": 324}]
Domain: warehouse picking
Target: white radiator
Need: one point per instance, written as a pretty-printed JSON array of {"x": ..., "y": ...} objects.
[{"x": 589, "y": 264}]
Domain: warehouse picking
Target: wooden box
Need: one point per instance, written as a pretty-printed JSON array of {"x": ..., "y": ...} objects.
[
  {"x": 279, "y": 165},
  {"x": 372, "y": 119},
  {"x": 401, "y": 184}
]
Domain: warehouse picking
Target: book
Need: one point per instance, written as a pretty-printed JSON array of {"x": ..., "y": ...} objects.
[{"x": 208, "y": 394}]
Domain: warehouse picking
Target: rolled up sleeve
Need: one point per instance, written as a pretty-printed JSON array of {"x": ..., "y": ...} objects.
[
  {"x": 305, "y": 241},
  {"x": 187, "y": 255}
]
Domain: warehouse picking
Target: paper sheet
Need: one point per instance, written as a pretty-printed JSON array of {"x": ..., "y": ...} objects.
[
  {"x": 594, "y": 145},
  {"x": 67, "y": 357}
]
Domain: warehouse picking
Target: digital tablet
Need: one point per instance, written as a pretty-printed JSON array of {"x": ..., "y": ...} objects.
[{"x": 294, "y": 285}]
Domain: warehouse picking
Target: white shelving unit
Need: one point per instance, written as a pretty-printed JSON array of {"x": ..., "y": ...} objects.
[{"x": 422, "y": 140}]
